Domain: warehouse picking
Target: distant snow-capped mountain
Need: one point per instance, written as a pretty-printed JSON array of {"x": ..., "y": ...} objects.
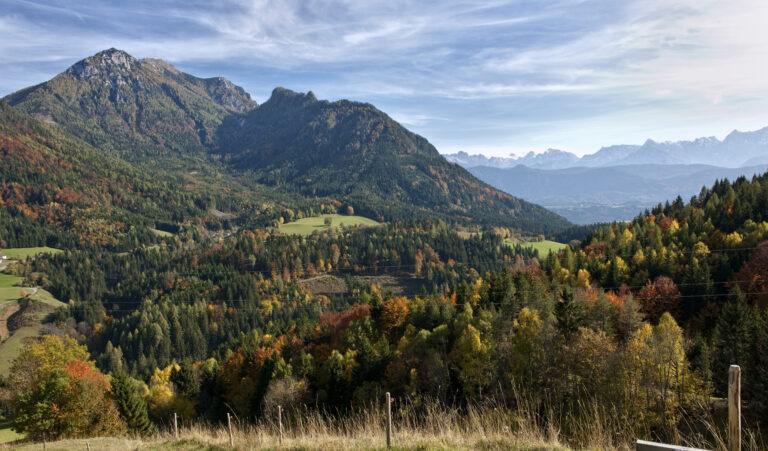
[{"x": 736, "y": 150}]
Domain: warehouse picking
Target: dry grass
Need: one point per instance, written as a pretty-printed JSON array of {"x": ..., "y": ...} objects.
[{"x": 433, "y": 427}]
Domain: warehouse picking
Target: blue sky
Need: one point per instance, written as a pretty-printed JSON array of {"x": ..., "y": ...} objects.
[{"x": 493, "y": 77}]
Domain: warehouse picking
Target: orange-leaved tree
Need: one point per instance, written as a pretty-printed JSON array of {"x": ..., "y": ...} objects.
[{"x": 57, "y": 392}]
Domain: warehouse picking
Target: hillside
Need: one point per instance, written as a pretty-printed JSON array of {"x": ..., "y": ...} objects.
[
  {"x": 53, "y": 180},
  {"x": 353, "y": 152},
  {"x": 654, "y": 307},
  {"x": 140, "y": 109}
]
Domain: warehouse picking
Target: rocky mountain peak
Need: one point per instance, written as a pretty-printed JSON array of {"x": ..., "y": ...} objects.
[
  {"x": 103, "y": 64},
  {"x": 285, "y": 97}
]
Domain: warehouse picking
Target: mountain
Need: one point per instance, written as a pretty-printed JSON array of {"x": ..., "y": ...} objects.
[
  {"x": 354, "y": 152},
  {"x": 551, "y": 159},
  {"x": 134, "y": 108},
  {"x": 738, "y": 149},
  {"x": 588, "y": 195},
  {"x": 52, "y": 180},
  {"x": 293, "y": 151}
]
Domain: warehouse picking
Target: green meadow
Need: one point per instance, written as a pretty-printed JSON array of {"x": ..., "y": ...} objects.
[
  {"x": 544, "y": 247},
  {"x": 307, "y": 226},
  {"x": 20, "y": 253}
]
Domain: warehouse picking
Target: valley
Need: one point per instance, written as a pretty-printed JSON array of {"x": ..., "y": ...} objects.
[{"x": 191, "y": 253}]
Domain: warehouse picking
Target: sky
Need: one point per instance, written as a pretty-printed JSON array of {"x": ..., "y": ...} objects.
[{"x": 484, "y": 76}]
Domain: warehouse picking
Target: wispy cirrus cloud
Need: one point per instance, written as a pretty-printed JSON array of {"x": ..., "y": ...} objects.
[{"x": 491, "y": 75}]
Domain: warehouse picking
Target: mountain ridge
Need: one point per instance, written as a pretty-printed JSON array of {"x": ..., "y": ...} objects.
[
  {"x": 737, "y": 149},
  {"x": 150, "y": 114},
  {"x": 353, "y": 150}
]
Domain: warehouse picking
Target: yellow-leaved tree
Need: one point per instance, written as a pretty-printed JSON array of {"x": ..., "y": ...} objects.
[
  {"x": 470, "y": 358},
  {"x": 162, "y": 397}
]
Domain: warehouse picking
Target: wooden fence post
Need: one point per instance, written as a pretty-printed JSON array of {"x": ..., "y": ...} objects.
[
  {"x": 280, "y": 423},
  {"x": 734, "y": 408},
  {"x": 389, "y": 421},
  {"x": 229, "y": 427},
  {"x": 45, "y": 444},
  {"x": 175, "y": 426}
]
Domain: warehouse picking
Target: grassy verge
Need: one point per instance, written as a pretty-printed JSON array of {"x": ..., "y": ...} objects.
[
  {"x": 307, "y": 226},
  {"x": 429, "y": 427}
]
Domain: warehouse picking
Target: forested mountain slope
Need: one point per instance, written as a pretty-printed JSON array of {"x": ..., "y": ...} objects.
[
  {"x": 52, "y": 180},
  {"x": 151, "y": 114},
  {"x": 353, "y": 151}
]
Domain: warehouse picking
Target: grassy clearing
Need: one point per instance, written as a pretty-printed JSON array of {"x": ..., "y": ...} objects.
[
  {"x": 307, "y": 226},
  {"x": 9, "y": 294},
  {"x": 544, "y": 247},
  {"x": 46, "y": 298},
  {"x": 10, "y": 348},
  {"x": 8, "y": 280},
  {"x": 20, "y": 253},
  {"x": 161, "y": 233}
]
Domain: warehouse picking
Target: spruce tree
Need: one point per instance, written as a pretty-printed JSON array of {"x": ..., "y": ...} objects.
[
  {"x": 731, "y": 340},
  {"x": 569, "y": 314},
  {"x": 130, "y": 404},
  {"x": 757, "y": 387}
]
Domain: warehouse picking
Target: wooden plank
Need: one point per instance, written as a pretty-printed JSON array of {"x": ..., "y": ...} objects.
[
  {"x": 642, "y": 445},
  {"x": 389, "y": 421},
  {"x": 734, "y": 408}
]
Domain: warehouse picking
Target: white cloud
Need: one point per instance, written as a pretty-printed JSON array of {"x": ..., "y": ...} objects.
[{"x": 583, "y": 73}]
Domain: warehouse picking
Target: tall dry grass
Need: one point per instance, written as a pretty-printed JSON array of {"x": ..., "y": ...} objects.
[{"x": 429, "y": 425}]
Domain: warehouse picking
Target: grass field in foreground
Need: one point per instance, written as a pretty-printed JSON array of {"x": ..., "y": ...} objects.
[
  {"x": 354, "y": 437},
  {"x": 20, "y": 253},
  {"x": 544, "y": 247},
  {"x": 306, "y": 226},
  {"x": 8, "y": 435}
]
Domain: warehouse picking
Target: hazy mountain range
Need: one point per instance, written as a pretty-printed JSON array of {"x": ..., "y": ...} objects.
[
  {"x": 618, "y": 182},
  {"x": 738, "y": 149}
]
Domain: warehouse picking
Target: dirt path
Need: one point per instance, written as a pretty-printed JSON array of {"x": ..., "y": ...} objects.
[{"x": 10, "y": 310}]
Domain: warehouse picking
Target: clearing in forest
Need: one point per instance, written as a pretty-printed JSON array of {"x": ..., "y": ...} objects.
[
  {"x": 544, "y": 247},
  {"x": 307, "y": 226},
  {"x": 20, "y": 253}
]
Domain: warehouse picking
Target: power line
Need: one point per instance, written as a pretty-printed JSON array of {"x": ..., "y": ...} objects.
[{"x": 349, "y": 296}]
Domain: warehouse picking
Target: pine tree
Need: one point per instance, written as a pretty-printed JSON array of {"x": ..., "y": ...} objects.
[{"x": 130, "y": 404}]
